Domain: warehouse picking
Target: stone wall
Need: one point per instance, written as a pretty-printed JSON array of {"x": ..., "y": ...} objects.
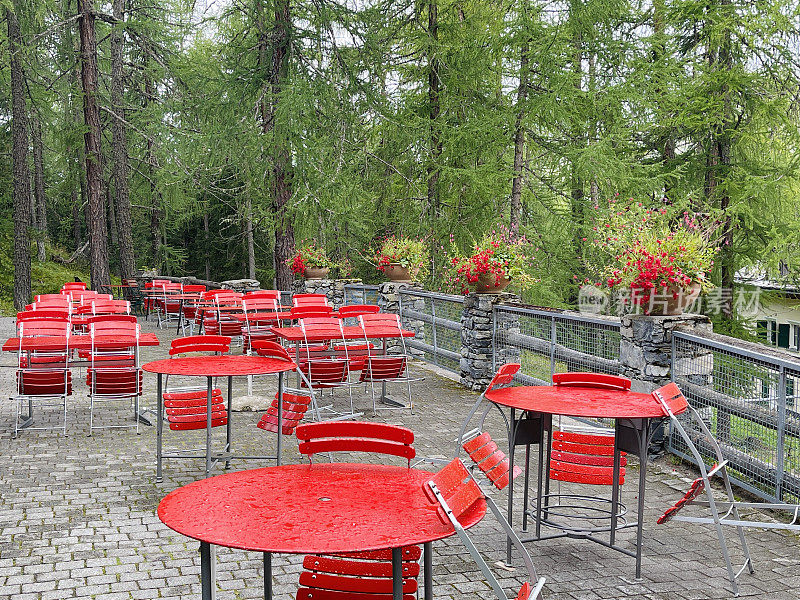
[{"x": 332, "y": 288}]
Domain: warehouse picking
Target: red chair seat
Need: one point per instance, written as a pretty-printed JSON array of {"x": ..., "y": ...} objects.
[
  {"x": 114, "y": 382},
  {"x": 491, "y": 460},
  {"x": 44, "y": 383},
  {"x": 378, "y": 368},
  {"x": 186, "y": 410},
  {"x": 584, "y": 458}
]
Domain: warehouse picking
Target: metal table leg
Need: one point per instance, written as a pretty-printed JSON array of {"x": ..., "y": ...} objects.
[
  {"x": 209, "y": 393},
  {"x": 159, "y": 426},
  {"x": 208, "y": 575},
  {"x": 267, "y": 576},
  {"x": 280, "y": 418},
  {"x": 229, "y": 425},
  {"x": 397, "y": 574},
  {"x": 427, "y": 569}
]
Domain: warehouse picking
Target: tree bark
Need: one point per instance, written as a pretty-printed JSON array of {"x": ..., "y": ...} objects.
[
  {"x": 515, "y": 209},
  {"x": 40, "y": 198},
  {"x": 207, "y": 244},
  {"x": 251, "y": 248},
  {"x": 98, "y": 233},
  {"x": 434, "y": 106},
  {"x": 119, "y": 151},
  {"x": 21, "y": 174},
  {"x": 155, "y": 195},
  {"x": 282, "y": 173}
]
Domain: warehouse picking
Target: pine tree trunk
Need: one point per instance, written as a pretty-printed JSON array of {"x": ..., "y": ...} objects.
[
  {"x": 282, "y": 171},
  {"x": 519, "y": 132},
  {"x": 40, "y": 198},
  {"x": 21, "y": 174},
  {"x": 155, "y": 195},
  {"x": 434, "y": 106},
  {"x": 207, "y": 244},
  {"x": 251, "y": 248},
  {"x": 98, "y": 233},
  {"x": 119, "y": 151}
]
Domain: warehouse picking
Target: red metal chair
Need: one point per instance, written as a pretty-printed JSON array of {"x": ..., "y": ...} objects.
[
  {"x": 42, "y": 376},
  {"x": 357, "y": 575},
  {"x": 168, "y": 307},
  {"x": 595, "y": 380},
  {"x": 305, "y": 312},
  {"x": 114, "y": 373},
  {"x": 486, "y": 455},
  {"x": 310, "y": 300},
  {"x": 111, "y": 307},
  {"x": 458, "y": 494},
  {"x": 273, "y": 294},
  {"x": 74, "y": 285},
  {"x": 381, "y": 367},
  {"x": 260, "y": 313},
  {"x": 321, "y": 369},
  {"x": 218, "y": 320},
  {"x": 186, "y": 407}
]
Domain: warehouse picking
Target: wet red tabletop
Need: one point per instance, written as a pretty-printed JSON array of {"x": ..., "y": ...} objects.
[
  {"x": 78, "y": 342},
  {"x": 579, "y": 401},
  {"x": 351, "y": 332},
  {"x": 219, "y": 366},
  {"x": 309, "y": 509}
]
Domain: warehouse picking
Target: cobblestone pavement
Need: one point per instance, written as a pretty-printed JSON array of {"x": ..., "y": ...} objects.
[{"x": 78, "y": 516}]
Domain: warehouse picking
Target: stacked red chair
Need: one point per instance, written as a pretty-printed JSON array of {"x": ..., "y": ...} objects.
[
  {"x": 42, "y": 377},
  {"x": 114, "y": 373}
]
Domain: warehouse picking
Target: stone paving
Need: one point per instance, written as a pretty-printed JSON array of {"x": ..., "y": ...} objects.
[{"x": 78, "y": 515}]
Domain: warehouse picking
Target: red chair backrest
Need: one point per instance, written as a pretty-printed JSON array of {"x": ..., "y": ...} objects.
[
  {"x": 102, "y": 318},
  {"x": 491, "y": 460},
  {"x": 44, "y": 327},
  {"x": 504, "y": 376},
  {"x": 375, "y": 323},
  {"x": 598, "y": 380},
  {"x": 353, "y": 310},
  {"x": 62, "y": 302},
  {"x": 356, "y": 436},
  {"x": 270, "y": 350},
  {"x": 220, "y": 292},
  {"x": 193, "y": 289},
  {"x": 49, "y": 314},
  {"x": 200, "y": 343},
  {"x": 115, "y": 327},
  {"x": 303, "y": 312},
  {"x": 383, "y": 367},
  {"x": 325, "y": 328},
  {"x": 111, "y": 307},
  {"x": 74, "y": 285},
  {"x": 294, "y": 409},
  {"x": 273, "y": 294},
  {"x": 310, "y": 300},
  {"x": 457, "y": 487},
  {"x": 259, "y": 303}
]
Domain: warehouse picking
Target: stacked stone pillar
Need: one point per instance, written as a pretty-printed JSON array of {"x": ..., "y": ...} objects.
[
  {"x": 476, "y": 365},
  {"x": 645, "y": 349}
]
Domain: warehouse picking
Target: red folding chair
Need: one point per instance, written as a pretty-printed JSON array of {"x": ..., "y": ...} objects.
[
  {"x": 458, "y": 495},
  {"x": 310, "y": 300},
  {"x": 260, "y": 313},
  {"x": 321, "y": 369},
  {"x": 218, "y": 320},
  {"x": 114, "y": 373},
  {"x": 42, "y": 376},
  {"x": 357, "y": 575},
  {"x": 381, "y": 367}
]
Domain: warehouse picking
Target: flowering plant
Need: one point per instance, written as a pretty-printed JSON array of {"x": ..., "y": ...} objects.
[
  {"x": 309, "y": 255},
  {"x": 650, "y": 251},
  {"x": 499, "y": 255},
  {"x": 407, "y": 252}
]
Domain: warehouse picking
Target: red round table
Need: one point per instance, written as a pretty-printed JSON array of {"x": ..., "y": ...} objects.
[
  {"x": 210, "y": 367},
  {"x": 310, "y": 509},
  {"x": 631, "y": 411}
]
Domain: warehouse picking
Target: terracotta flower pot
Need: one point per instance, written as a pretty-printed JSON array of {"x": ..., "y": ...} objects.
[
  {"x": 690, "y": 294},
  {"x": 397, "y": 272},
  {"x": 488, "y": 283},
  {"x": 667, "y": 301},
  {"x": 316, "y": 272}
]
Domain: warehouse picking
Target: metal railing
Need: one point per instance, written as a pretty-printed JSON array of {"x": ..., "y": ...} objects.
[
  {"x": 359, "y": 293},
  {"x": 748, "y": 397},
  {"x": 546, "y": 342},
  {"x": 436, "y": 320}
]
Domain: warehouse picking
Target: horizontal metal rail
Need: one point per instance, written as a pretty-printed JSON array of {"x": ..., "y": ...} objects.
[
  {"x": 438, "y": 321},
  {"x": 443, "y": 352}
]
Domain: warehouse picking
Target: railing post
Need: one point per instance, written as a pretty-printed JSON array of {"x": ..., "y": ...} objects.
[
  {"x": 781, "y": 435},
  {"x": 433, "y": 333},
  {"x": 553, "y": 342}
]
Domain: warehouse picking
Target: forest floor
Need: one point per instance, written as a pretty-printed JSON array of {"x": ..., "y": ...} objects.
[{"x": 78, "y": 515}]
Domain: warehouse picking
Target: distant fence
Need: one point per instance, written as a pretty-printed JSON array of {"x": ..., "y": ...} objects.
[{"x": 748, "y": 396}]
